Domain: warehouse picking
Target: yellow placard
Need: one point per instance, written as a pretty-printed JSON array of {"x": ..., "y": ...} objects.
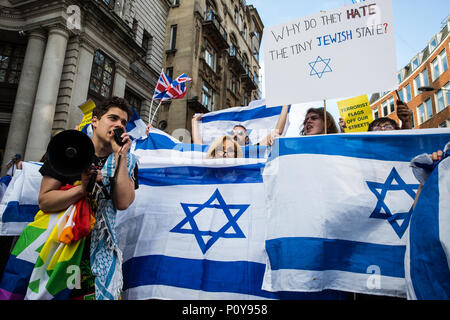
[
  {"x": 356, "y": 113},
  {"x": 86, "y": 108}
]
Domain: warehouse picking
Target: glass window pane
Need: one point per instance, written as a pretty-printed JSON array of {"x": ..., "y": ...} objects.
[
  {"x": 2, "y": 75},
  {"x": 435, "y": 69},
  {"x": 99, "y": 58},
  {"x": 95, "y": 85},
  {"x": 105, "y": 91},
  {"x": 408, "y": 93},
  {"x": 107, "y": 79},
  {"x": 420, "y": 114},
  {"x": 429, "y": 108},
  {"x": 391, "y": 105},
  {"x": 444, "y": 61},
  {"x": 5, "y": 62},
  {"x": 426, "y": 83},
  {"x": 440, "y": 100},
  {"x": 109, "y": 66}
]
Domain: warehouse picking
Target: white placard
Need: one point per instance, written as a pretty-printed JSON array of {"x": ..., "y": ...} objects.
[{"x": 344, "y": 52}]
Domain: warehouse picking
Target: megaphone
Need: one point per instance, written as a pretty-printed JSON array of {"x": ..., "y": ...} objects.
[{"x": 70, "y": 153}]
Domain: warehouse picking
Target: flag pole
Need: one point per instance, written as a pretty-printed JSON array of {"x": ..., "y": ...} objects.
[
  {"x": 325, "y": 115},
  {"x": 151, "y": 107},
  {"x": 156, "y": 111},
  {"x": 153, "y": 97}
]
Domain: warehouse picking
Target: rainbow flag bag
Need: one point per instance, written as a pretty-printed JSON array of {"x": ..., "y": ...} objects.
[{"x": 45, "y": 262}]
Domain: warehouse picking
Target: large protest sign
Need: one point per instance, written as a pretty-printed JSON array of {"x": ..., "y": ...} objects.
[{"x": 339, "y": 53}]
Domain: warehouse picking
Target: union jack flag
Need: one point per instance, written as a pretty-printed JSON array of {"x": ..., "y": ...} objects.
[
  {"x": 162, "y": 86},
  {"x": 177, "y": 88}
]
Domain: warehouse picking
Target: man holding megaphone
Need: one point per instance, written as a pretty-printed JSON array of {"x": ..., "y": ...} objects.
[{"x": 107, "y": 175}]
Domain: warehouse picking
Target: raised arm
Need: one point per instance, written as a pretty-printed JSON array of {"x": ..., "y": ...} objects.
[
  {"x": 196, "y": 136},
  {"x": 404, "y": 114},
  {"x": 279, "y": 128}
]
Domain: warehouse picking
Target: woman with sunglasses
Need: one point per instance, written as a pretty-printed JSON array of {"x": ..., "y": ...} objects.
[{"x": 224, "y": 147}]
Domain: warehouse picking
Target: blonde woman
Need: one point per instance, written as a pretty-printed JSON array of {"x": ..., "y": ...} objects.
[{"x": 224, "y": 147}]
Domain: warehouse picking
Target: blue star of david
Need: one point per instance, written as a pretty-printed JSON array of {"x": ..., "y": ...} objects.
[
  {"x": 326, "y": 67},
  {"x": 215, "y": 235},
  {"x": 381, "y": 205}
]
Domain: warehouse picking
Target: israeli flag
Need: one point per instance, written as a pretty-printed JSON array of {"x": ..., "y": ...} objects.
[
  {"x": 159, "y": 146},
  {"x": 339, "y": 207},
  {"x": 196, "y": 230},
  {"x": 427, "y": 259},
  {"x": 257, "y": 118},
  {"x": 19, "y": 204}
]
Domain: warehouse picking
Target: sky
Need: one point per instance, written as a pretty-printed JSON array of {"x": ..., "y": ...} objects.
[{"x": 415, "y": 23}]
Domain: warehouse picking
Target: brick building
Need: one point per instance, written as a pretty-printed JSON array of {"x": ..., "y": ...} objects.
[{"x": 428, "y": 70}]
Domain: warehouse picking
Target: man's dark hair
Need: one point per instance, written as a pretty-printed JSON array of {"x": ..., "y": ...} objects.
[
  {"x": 382, "y": 120},
  {"x": 112, "y": 102}
]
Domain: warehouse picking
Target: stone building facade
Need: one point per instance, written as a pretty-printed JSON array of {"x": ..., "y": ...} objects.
[
  {"x": 55, "y": 55},
  {"x": 217, "y": 44}
]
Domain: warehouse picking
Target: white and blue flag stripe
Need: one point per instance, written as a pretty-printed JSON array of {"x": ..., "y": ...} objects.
[
  {"x": 427, "y": 261},
  {"x": 339, "y": 207},
  {"x": 19, "y": 204},
  {"x": 257, "y": 118}
]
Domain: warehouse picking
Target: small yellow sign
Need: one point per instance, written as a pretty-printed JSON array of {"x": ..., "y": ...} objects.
[
  {"x": 356, "y": 113},
  {"x": 86, "y": 108}
]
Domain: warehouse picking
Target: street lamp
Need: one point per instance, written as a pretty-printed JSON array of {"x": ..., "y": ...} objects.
[{"x": 430, "y": 89}]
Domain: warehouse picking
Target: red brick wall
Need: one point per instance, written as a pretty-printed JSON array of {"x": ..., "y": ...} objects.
[{"x": 421, "y": 97}]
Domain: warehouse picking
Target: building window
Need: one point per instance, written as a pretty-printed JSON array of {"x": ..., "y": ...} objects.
[
  {"x": 11, "y": 61},
  {"x": 391, "y": 105},
  {"x": 236, "y": 16},
  {"x": 169, "y": 72},
  {"x": 425, "y": 82},
  {"x": 233, "y": 84},
  {"x": 434, "y": 69},
  {"x": 134, "y": 101},
  {"x": 210, "y": 57},
  {"x": 433, "y": 44},
  {"x": 440, "y": 101},
  {"x": 102, "y": 75},
  {"x": 415, "y": 63},
  {"x": 429, "y": 108},
  {"x": 399, "y": 77},
  {"x": 110, "y": 3},
  {"x": 443, "y": 60},
  {"x": 384, "y": 107},
  {"x": 173, "y": 37},
  {"x": 401, "y": 96},
  {"x": 420, "y": 114},
  {"x": 408, "y": 93},
  {"x": 207, "y": 97},
  {"x": 375, "y": 114},
  {"x": 417, "y": 85}
]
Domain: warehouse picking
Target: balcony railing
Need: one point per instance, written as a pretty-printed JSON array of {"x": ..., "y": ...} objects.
[
  {"x": 215, "y": 30},
  {"x": 236, "y": 61}
]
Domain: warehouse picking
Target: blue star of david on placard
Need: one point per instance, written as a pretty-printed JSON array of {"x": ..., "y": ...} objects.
[
  {"x": 381, "y": 205},
  {"x": 323, "y": 66},
  {"x": 215, "y": 235}
]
